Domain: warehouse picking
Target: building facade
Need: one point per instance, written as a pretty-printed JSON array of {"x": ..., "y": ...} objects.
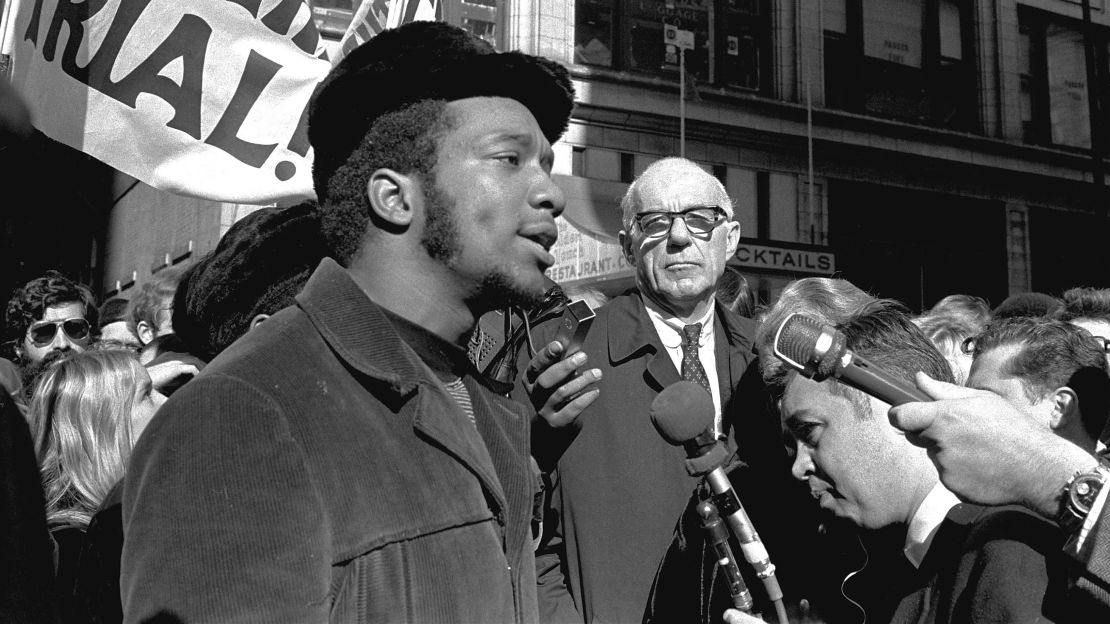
[{"x": 918, "y": 148}]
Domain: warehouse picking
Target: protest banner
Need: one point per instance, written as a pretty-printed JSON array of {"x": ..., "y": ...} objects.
[{"x": 205, "y": 99}]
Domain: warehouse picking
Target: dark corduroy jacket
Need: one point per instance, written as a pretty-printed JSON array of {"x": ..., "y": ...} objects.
[{"x": 317, "y": 471}]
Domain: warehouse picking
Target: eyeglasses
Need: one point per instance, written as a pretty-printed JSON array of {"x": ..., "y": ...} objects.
[
  {"x": 1103, "y": 343},
  {"x": 700, "y": 220},
  {"x": 42, "y": 333},
  {"x": 969, "y": 344}
]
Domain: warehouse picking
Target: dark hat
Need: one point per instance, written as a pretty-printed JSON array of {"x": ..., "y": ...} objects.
[
  {"x": 1034, "y": 305},
  {"x": 258, "y": 266},
  {"x": 426, "y": 61},
  {"x": 112, "y": 311}
]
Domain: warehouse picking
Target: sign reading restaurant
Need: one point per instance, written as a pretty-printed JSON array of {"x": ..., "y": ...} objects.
[{"x": 785, "y": 257}]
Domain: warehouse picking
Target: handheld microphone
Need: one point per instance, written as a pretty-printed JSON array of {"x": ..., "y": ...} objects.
[
  {"x": 683, "y": 414},
  {"x": 819, "y": 351},
  {"x": 717, "y": 533}
]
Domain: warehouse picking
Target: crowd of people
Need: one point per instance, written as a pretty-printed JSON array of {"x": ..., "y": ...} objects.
[{"x": 371, "y": 416}]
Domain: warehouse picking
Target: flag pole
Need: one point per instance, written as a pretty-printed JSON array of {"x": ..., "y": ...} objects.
[
  {"x": 7, "y": 26},
  {"x": 682, "y": 102}
]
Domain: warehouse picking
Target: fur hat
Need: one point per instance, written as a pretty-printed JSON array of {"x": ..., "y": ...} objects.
[
  {"x": 113, "y": 311},
  {"x": 426, "y": 61},
  {"x": 258, "y": 266}
]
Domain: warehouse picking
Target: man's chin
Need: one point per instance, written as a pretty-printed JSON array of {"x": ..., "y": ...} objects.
[{"x": 501, "y": 291}]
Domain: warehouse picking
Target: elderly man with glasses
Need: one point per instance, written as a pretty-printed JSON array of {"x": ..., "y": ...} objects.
[{"x": 618, "y": 487}]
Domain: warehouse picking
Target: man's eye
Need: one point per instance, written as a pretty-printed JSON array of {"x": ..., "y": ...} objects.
[
  {"x": 807, "y": 433},
  {"x": 512, "y": 159}
]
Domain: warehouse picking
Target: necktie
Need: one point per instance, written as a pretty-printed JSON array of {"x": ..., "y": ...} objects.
[{"x": 692, "y": 370}]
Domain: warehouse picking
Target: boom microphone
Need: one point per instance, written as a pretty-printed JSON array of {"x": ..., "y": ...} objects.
[
  {"x": 819, "y": 351},
  {"x": 683, "y": 415}
]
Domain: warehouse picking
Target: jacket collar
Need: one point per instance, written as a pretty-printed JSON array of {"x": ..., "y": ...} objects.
[
  {"x": 630, "y": 330},
  {"x": 357, "y": 329}
]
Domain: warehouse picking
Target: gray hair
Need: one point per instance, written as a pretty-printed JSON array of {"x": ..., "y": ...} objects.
[{"x": 824, "y": 299}]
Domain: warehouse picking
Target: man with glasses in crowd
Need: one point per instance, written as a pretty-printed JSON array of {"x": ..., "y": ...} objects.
[
  {"x": 49, "y": 313},
  {"x": 619, "y": 487}
]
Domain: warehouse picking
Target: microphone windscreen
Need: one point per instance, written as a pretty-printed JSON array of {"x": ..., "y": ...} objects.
[
  {"x": 796, "y": 338},
  {"x": 682, "y": 411},
  {"x": 796, "y": 343}
]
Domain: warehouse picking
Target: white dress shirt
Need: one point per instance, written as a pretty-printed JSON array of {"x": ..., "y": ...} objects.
[
  {"x": 669, "y": 330},
  {"x": 925, "y": 522}
]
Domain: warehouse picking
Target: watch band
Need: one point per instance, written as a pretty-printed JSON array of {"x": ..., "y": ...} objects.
[{"x": 1079, "y": 494}]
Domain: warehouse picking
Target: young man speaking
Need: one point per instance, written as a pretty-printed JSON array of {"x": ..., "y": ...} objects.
[{"x": 343, "y": 462}]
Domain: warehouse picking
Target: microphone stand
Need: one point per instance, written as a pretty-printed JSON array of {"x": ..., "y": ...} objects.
[
  {"x": 755, "y": 552},
  {"x": 706, "y": 460},
  {"x": 717, "y": 534}
]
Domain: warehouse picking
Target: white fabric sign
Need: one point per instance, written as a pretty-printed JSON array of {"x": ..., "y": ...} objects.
[{"x": 205, "y": 99}]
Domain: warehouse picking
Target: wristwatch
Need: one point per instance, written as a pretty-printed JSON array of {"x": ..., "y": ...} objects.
[{"x": 1079, "y": 495}]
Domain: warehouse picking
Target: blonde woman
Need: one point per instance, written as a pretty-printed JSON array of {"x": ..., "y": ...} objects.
[{"x": 87, "y": 411}]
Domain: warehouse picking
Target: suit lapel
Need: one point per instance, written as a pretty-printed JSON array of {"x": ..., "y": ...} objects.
[{"x": 631, "y": 334}]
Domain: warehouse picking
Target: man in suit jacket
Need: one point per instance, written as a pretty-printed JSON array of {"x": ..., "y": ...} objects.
[
  {"x": 618, "y": 487},
  {"x": 962, "y": 563}
]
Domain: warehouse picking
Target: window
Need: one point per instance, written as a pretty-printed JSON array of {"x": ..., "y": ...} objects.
[
  {"x": 1055, "y": 109},
  {"x": 481, "y": 17},
  {"x": 731, "y": 39},
  {"x": 908, "y": 60},
  {"x": 333, "y": 16}
]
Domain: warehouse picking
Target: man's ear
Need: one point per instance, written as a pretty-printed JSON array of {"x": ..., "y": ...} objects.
[
  {"x": 257, "y": 320},
  {"x": 145, "y": 332},
  {"x": 625, "y": 241},
  {"x": 391, "y": 196},
  {"x": 1065, "y": 407},
  {"x": 733, "y": 240}
]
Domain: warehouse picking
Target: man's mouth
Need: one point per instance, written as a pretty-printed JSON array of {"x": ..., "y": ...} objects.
[
  {"x": 824, "y": 493},
  {"x": 681, "y": 264},
  {"x": 543, "y": 235},
  {"x": 545, "y": 238}
]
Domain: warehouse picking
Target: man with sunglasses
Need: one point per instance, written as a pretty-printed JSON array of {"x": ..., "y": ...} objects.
[
  {"x": 49, "y": 313},
  {"x": 619, "y": 487}
]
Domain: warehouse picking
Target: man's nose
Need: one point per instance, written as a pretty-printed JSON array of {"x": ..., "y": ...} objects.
[
  {"x": 61, "y": 341},
  {"x": 803, "y": 464},
  {"x": 679, "y": 234},
  {"x": 547, "y": 195}
]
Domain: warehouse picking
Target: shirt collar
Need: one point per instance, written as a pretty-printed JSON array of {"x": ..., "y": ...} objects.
[
  {"x": 448, "y": 361},
  {"x": 928, "y": 517},
  {"x": 669, "y": 327}
]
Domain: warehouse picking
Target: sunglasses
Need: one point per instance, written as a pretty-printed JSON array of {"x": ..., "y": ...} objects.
[{"x": 43, "y": 333}]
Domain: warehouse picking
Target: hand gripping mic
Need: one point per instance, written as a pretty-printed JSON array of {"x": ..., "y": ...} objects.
[
  {"x": 683, "y": 415},
  {"x": 818, "y": 351}
]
